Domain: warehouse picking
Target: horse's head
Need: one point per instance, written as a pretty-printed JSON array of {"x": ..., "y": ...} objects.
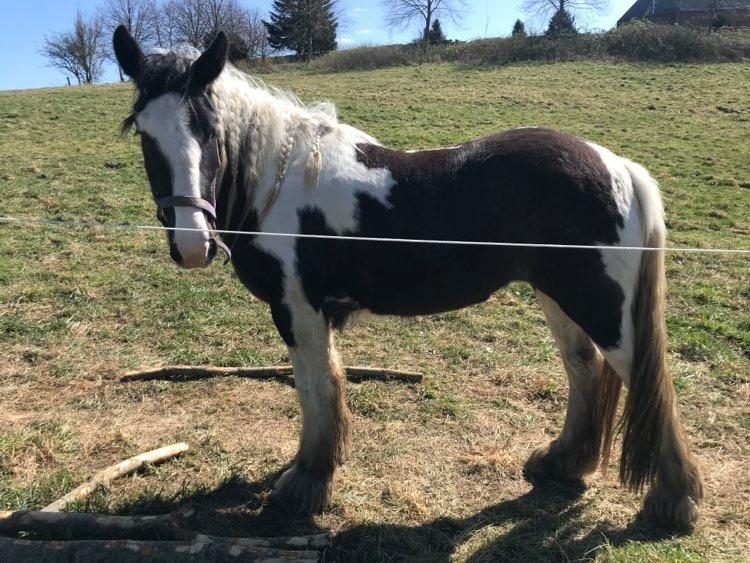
[{"x": 180, "y": 138}]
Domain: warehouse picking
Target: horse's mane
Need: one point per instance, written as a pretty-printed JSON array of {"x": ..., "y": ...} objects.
[{"x": 166, "y": 70}]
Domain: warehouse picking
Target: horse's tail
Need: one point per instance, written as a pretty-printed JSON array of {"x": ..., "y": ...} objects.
[{"x": 652, "y": 438}]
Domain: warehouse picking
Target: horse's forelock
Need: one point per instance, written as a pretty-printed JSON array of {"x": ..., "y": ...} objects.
[{"x": 164, "y": 72}]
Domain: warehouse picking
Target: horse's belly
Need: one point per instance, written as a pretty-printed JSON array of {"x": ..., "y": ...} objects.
[{"x": 431, "y": 293}]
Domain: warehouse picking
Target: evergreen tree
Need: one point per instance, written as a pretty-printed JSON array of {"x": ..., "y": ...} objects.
[
  {"x": 562, "y": 23},
  {"x": 436, "y": 36},
  {"x": 307, "y": 27},
  {"x": 519, "y": 29},
  {"x": 281, "y": 28}
]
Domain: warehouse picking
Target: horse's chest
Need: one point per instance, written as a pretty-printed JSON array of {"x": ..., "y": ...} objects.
[{"x": 261, "y": 273}]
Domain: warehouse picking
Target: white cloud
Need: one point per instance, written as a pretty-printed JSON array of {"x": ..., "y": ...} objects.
[
  {"x": 364, "y": 31},
  {"x": 345, "y": 40}
]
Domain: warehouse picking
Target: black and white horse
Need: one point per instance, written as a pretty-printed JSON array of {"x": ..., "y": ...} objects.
[{"x": 223, "y": 152}]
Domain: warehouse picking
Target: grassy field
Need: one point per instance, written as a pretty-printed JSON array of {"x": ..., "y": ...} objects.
[{"x": 436, "y": 469}]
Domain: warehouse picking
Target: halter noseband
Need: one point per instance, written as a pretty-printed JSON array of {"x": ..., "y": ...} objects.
[{"x": 198, "y": 203}]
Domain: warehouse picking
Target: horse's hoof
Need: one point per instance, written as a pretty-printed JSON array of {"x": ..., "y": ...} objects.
[
  {"x": 545, "y": 464},
  {"x": 302, "y": 491},
  {"x": 667, "y": 511}
]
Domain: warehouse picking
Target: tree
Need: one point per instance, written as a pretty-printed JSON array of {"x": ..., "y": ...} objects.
[
  {"x": 255, "y": 35},
  {"x": 189, "y": 21},
  {"x": 227, "y": 16},
  {"x": 401, "y": 14},
  {"x": 198, "y": 22},
  {"x": 519, "y": 29},
  {"x": 563, "y": 11},
  {"x": 547, "y": 8},
  {"x": 561, "y": 23},
  {"x": 165, "y": 27},
  {"x": 436, "y": 36},
  {"x": 718, "y": 8},
  {"x": 140, "y": 17},
  {"x": 307, "y": 27},
  {"x": 282, "y": 25},
  {"x": 79, "y": 52}
]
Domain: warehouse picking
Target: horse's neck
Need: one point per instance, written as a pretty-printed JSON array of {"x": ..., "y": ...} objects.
[{"x": 254, "y": 127}]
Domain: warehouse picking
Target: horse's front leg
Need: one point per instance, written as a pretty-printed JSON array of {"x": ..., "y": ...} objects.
[{"x": 319, "y": 380}]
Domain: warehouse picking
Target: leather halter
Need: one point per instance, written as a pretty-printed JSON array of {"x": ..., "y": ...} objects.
[{"x": 198, "y": 203}]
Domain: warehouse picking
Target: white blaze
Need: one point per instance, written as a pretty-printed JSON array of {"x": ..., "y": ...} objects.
[{"x": 166, "y": 121}]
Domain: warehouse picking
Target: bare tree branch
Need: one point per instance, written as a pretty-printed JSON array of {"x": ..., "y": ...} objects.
[
  {"x": 715, "y": 7},
  {"x": 197, "y": 22},
  {"x": 139, "y": 16},
  {"x": 189, "y": 21},
  {"x": 80, "y": 52},
  {"x": 166, "y": 35},
  {"x": 402, "y": 14},
  {"x": 254, "y": 33},
  {"x": 544, "y": 9}
]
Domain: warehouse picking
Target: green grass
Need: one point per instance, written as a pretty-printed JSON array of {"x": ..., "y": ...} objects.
[{"x": 436, "y": 471}]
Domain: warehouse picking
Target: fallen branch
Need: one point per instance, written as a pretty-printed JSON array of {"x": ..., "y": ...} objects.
[
  {"x": 115, "y": 472},
  {"x": 314, "y": 541},
  {"x": 202, "y": 549},
  {"x": 193, "y": 373},
  {"x": 165, "y": 527},
  {"x": 71, "y": 525},
  {"x": 280, "y": 373},
  {"x": 358, "y": 374}
]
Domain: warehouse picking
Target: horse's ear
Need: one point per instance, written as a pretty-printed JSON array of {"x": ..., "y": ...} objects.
[
  {"x": 128, "y": 53},
  {"x": 209, "y": 65}
]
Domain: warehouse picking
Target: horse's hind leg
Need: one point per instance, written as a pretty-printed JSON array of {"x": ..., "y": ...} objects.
[
  {"x": 655, "y": 451},
  {"x": 319, "y": 381},
  {"x": 592, "y": 401}
]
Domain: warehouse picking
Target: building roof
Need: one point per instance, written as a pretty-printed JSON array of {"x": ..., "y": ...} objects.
[{"x": 643, "y": 8}]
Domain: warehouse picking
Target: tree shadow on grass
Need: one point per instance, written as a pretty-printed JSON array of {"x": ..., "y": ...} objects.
[{"x": 545, "y": 524}]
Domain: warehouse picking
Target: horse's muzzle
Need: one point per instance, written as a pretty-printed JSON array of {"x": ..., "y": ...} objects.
[{"x": 195, "y": 260}]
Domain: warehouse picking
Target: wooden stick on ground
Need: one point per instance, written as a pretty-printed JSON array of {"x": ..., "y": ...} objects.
[
  {"x": 201, "y": 549},
  {"x": 280, "y": 373},
  {"x": 314, "y": 541},
  {"x": 71, "y": 525},
  {"x": 165, "y": 527},
  {"x": 116, "y": 471}
]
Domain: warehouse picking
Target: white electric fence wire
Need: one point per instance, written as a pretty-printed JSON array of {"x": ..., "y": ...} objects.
[{"x": 125, "y": 226}]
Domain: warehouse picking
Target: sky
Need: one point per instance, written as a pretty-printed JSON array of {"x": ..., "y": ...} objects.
[{"x": 25, "y": 24}]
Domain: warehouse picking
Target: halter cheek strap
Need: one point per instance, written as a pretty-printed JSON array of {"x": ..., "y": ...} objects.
[{"x": 197, "y": 203}]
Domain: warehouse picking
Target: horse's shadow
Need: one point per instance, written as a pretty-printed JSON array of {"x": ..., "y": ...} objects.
[{"x": 544, "y": 524}]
